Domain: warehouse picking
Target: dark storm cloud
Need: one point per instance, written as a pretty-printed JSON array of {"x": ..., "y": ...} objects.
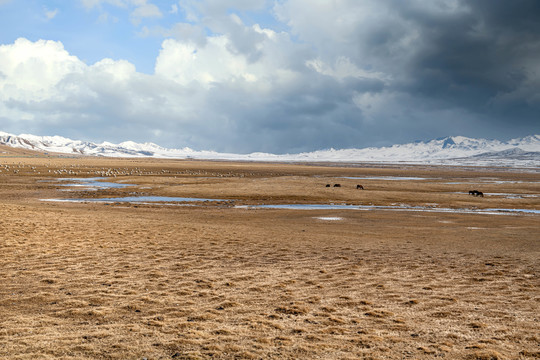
[
  {"x": 316, "y": 113},
  {"x": 482, "y": 59},
  {"x": 449, "y": 67}
]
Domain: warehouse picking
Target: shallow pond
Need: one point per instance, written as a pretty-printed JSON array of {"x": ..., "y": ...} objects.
[
  {"x": 167, "y": 200},
  {"x": 390, "y": 208},
  {"x": 97, "y": 183},
  {"x": 393, "y": 178},
  {"x": 91, "y": 183},
  {"x": 139, "y": 199}
]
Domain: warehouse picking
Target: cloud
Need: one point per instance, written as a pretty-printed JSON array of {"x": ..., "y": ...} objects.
[
  {"x": 145, "y": 10},
  {"x": 447, "y": 54},
  {"x": 90, "y": 4},
  {"x": 197, "y": 95},
  {"x": 213, "y": 8},
  {"x": 31, "y": 69},
  {"x": 105, "y": 17},
  {"x": 216, "y": 62},
  {"x": 50, "y": 14},
  {"x": 139, "y": 9},
  {"x": 378, "y": 73}
]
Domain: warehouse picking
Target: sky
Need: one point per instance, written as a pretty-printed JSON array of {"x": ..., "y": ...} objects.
[{"x": 279, "y": 76}]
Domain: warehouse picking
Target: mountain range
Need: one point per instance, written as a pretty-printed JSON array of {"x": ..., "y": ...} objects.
[{"x": 452, "y": 150}]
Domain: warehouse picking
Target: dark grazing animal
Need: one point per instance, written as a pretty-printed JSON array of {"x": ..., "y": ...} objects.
[
  {"x": 359, "y": 187},
  {"x": 337, "y": 185},
  {"x": 476, "y": 193},
  {"x": 327, "y": 185}
]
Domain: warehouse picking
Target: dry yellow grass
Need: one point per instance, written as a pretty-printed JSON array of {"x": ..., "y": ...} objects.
[{"x": 120, "y": 281}]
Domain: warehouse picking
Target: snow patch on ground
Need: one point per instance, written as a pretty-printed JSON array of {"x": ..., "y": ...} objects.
[{"x": 329, "y": 218}]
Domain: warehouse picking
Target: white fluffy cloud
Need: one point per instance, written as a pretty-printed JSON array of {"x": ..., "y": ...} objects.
[
  {"x": 201, "y": 92},
  {"x": 30, "y": 70},
  {"x": 185, "y": 62},
  {"x": 216, "y": 62},
  {"x": 41, "y": 83}
]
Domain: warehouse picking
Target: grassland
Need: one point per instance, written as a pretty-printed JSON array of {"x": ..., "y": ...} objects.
[{"x": 132, "y": 281}]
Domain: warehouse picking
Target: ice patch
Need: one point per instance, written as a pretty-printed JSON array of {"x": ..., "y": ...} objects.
[
  {"x": 512, "y": 196},
  {"x": 392, "y": 178},
  {"x": 329, "y": 218}
]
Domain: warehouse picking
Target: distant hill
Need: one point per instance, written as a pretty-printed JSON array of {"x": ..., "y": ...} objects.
[{"x": 454, "y": 150}]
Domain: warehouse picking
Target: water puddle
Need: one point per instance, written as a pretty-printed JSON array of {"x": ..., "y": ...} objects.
[
  {"x": 512, "y": 196},
  {"x": 140, "y": 200},
  {"x": 489, "y": 181},
  {"x": 95, "y": 183},
  {"x": 526, "y": 211},
  {"x": 166, "y": 200},
  {"x": 392, "y": 178},
  {"x": 390, "y": 208},
  {"x": 503, "y": 195}
]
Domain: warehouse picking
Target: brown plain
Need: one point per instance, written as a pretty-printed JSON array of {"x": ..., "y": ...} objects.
[{"x": 134, "y": 281}]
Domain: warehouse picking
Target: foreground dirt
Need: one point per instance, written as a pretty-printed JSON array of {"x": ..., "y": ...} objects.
[{"x": 121, "y": 281}]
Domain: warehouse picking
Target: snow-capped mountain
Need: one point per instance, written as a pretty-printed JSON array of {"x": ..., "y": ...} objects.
[{"x": 455, "y": 150}]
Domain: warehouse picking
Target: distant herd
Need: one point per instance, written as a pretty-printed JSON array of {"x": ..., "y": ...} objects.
[
  {"x": 361, "y": 187},
  {"x": 358, "y": 187}
]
